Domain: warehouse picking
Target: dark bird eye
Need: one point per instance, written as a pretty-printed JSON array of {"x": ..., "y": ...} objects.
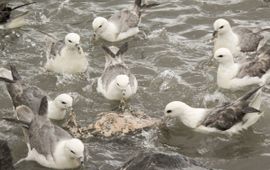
[
  {"x": 63, "y": 102},
  {"x": 220, "y": 56},
  {"x": 118, "y": 84},
  {"x": 70, "y": 41},
  {"x": 169, "y": 111},
  {"x": 221, "y": 27},
  {"x": 100, "y": 26},
  {"x": 72, "y": 151}
]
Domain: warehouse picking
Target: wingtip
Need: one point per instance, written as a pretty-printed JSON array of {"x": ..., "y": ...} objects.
[
  {"x": 14, "y": 72},
  {"x": 43, "y": 108}
]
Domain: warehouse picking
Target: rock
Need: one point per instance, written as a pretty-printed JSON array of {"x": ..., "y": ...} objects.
[
  {"x": 160, "y": 161},
  {"x": 112, "y": 124},
  {"x": 5, "y": 156}
]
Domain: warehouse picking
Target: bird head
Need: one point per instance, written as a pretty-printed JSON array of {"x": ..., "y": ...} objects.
[
  {"x": 221, "y": 26},
  {"x": 175, "y": 109},
  {"x": 99, "y": 25},
  {"x": 74, "y": 149},
  {"x": 223, "y": 56},
  {"x": 72, "y": 40},
  {"x": 63, "y": 101},
  {"x": 122, "y": 82}
]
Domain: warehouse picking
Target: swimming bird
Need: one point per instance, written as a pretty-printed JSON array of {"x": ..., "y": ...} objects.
[
  {"x": 231, "y": 75},
  {"x": 121, "y": 25},
  {"x": 8, "y": 22},
  {"x": 237, "y": 39},
  {"x": 48, "y": 144},
  {"x": 116, "y": 82},
  {"x": 66, "y": 56},
  {"x": 229, "y": 118},
  {"x": 22, "y": 93}
]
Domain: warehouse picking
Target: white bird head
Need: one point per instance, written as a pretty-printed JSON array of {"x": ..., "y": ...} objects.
[
  {"x": 175, "y": 109},
  {"x": 122, "y": 82},
  {"x": 223, "y": 56},
  {"x": 221, "y": 26},
  {"x": 74, "y": 149},
  {"x": 63, "y": 101},
  {"x": 99, "y": 24},
  {"x": 72, "y": 40}
]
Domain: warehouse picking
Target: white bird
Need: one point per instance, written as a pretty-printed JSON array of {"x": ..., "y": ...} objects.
[
  {"x": 25, "y": 94},
  {"x": 121, "y": 25},
  {"x": 66, "y": 56},
  {"x": 229, "y": 118},
  {"x": 238, "y": 39},
  {"x": 231, "y": 75},
  {"x": 116, "y": 82},
  {"x": 48, "y": 144}
]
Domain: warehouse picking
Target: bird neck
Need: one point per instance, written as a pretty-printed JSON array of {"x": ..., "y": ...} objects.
[{"x": 191, "y": 117}]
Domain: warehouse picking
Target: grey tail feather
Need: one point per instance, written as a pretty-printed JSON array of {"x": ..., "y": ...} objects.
[
  {"x": 6, "y": 80},
  {"x": 43, "y": 108},
  {"x": 22, "y": 5},
  {"x": 15, "y": 74},
  {"x": 250, "y": 94},
  {"x": 107, "y": 50},
  {"x": 122, "y": 49},
  {"x": 23, "y": 123}
]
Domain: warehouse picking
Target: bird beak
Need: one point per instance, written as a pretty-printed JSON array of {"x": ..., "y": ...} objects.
[
  {"x": 81, "y": 159},
  {"x": 123, "y": 92},
  {"x": 214, "y": 34}
]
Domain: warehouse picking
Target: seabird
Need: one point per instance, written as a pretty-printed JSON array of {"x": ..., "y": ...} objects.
[
  {"x": 121, "y": 25},
  {"x": 238, "y": 39},
  {"x": 229, "y": 118},
  {"x": 66, "y": 56},
  {"x": 116, "y": 82},
  {"x": 48, "y": 144},
  {"x": 231, "y": 75},
  {"x": 22, "y": 93}
]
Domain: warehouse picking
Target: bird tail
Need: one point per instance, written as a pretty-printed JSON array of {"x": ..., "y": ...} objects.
[
  {"x": 138, "y": 4},
  {"x": 253, "y": 98},
  {"x": 118, "y": 53},
  {"x": 14, "y": 73}
]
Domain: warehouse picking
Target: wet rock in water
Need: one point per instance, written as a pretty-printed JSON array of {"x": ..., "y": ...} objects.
[
  {"x": 111, "y": 124},
  {"x": 161, "y": 161},
  {"x": 5, "y": 156}
]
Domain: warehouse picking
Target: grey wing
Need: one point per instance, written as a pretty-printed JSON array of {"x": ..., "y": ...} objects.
[
  {"x": 249, "y": 39},
  {"x": 125, "y": 19},
  {"x": 255, "y": 68},
  {"x": 224, "y": 117},
  {"x": 42, "y": 136},
  {"x": 56, "y": 48},
  {"x": 31, "y": 97},
  {"x": 111, "y": 72}
]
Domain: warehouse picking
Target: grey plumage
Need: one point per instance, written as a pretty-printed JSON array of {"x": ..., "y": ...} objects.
[
  {"x": 249, "y": 38},
  {"x": 41, "y": 133},
  {"x": 22, "y": 93},
  {"x": 126, "y": 19},
  {"x": 227, "y": 115},
  {"x": 257, "y": 67},
  {"x": 115, "y": 66},
  {"x": 56, "y": 48}
]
